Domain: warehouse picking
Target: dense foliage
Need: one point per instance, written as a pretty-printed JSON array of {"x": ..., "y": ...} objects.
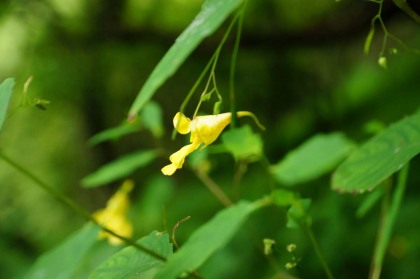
[{"x": 209, "y": 139}]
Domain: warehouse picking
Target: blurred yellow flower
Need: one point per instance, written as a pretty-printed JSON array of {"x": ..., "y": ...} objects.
[
  {"x": 204, "y": 130},
  {"x": 113, "y": 216}
]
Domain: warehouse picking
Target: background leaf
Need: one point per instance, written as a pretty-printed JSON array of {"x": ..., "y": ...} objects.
[
  {"x": 207, "y": 239},
  {"x": 151, "y": 118},
  {"x": 127, "y": 127},
  {"x": 133, "y": 263},
  {"x": 211, "y": 16},
  {"x": 119, "y": 168},
  {"x": 156, "y": 192},
  {"x": 297, "y": 214},
  {"x": 6, "y": 88},
  {"x": 282, "y": 197},
  {"x": 243, "y": 143},
  {"x": 315, "y": 157},
  {"x": 64, "y": 260},
  {"x": 380, "y": 157}
]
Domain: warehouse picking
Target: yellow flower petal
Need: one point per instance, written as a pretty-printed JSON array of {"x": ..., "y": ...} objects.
[
  {"x": 169, "y": 169},
  {"x": 178, "y": 158},
  {"x": 120, "y": 225},
  {"x": 113, "y": 216},
  {"x": 204, "y": 129},
  {"x": 119, "y": 201},
  {"x": 182, "y": 123},
  {"x": 208, "y": 128}
]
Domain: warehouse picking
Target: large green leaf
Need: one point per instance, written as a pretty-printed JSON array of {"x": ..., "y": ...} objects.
[
  {"x": 114, "y": 133},
  {"x": 119, "y": 168},
  {"x": 211, "y": 16},
  {"x": 207, "y": 239},
  {"x": 6, "y": 88},
  {"x": 133, "y": 263},
  {"x": 64, "y": 260},
  {"x": 151, "y": 118},
  {"x": 242, "y": 143},
  {"x": 379, "y": 157},
  {"x": 315, "y": 157}
]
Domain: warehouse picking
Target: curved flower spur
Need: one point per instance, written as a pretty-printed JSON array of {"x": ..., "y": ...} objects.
[{"x": 204, "y": 130}]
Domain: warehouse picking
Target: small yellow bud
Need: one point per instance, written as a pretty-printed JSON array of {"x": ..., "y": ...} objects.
[{"x": 113, "y": 216}]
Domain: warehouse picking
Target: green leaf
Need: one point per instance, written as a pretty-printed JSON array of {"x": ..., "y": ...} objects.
[
  {"x": 151, "y": 118},
  {"x": 127, "y": 127},
  {"x": 243, "y": 143},
  {"x": 380, "y": 157},
  {"x": 133, "y": 263},
  {"x": 64, "y": 260},
  {"x": 211, "y": 16},
  {"x": 282, "y": 197},
  {"x": 208, "y": 239},
  {"x": 370, "y": 200},
  {"x": 156, "y": 192},
  {"x": 297, "y": 215},
  {"x": 6, "y": 89},
  {"x": 314, "y": 158},
  {"x": 119, "y": 168}
]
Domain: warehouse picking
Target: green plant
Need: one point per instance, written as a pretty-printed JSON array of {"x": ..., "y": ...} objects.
[{"x": 368, "y": 167}]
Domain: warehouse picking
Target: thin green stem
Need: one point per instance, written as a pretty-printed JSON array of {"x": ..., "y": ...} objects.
[
  {"x": 212, "y": 62},
  {"x": 74, "y": 206},
  {"x": 232, "y": 97},
  {"x": 213, "y": 188},
  {"x": 318, "y": 252},
  {"x": 267, "y": 166},
  {"x": 210, "y": 79},
  {"x": 385, "y": 39},
  {"x": 378, "y": 17},
  {"x": 194, "y": 88},
  {"x": 401, "y": 43},
  {"x": 387, "y": 34},
  {"x": 386, "y": 227}
]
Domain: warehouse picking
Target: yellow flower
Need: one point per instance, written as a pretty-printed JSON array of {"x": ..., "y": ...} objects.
[
  {"x": 113, "y": 217},
  {"x": 204, "y": 130}
]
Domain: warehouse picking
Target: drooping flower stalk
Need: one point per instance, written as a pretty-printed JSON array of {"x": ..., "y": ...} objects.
[{"x": 204, "y": 130}]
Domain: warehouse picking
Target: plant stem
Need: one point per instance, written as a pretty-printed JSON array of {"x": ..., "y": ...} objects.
[
  {"x": 233, "y": 67},
  {"x": 318, "y": 252},
  {"x": 213, "y": 188},
  {"x": 386, "y": 226},
  {"x": 74, "y": 206},
  {"x": 212, "y": 62}
]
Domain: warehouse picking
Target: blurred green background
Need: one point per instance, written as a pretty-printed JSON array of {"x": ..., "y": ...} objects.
[{"x": 301, "y": 69}]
